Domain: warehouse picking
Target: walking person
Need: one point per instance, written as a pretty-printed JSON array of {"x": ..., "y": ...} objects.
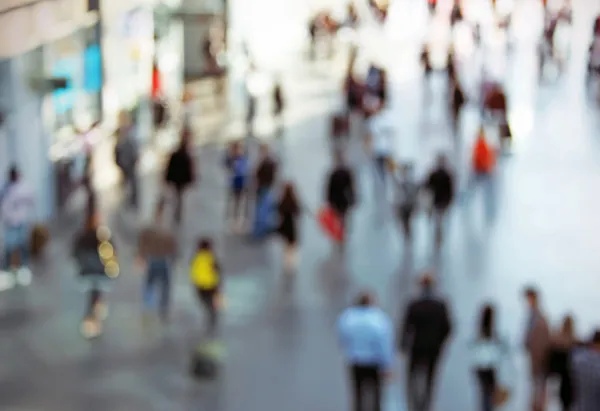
[
  {"x": 537, "y": 345},
  {"x": 585, "y": 368},
  {"x": 380, "y": 135},
  {"x": 489, "y": 354},
  {"x": 423, "y": 335},
  {"x": 17, "y": 204},
  {"x": 265, "y": 176},
  {"x": 180, "y": 172},
  {"x": 341, "y": 194},
  {"x": 238, "y": 165},
  {"x": 366, "y": 337},
  {"x": 157, "y": 250},
  {"x": 289, "y": 211},
  {"x": 205, "y": 273},
  {"x": 407, "y": 200},
  {"x": 562, "y": 343},
  {"x": 278, "y": 108},
  {"x": 440, "y": 184},
  {"x": 97, "y": 264},
  {"x": 127, "y": 156}
]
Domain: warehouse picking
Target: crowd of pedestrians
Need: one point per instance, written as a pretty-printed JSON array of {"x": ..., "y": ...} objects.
[{"x": 261, "y": 203}]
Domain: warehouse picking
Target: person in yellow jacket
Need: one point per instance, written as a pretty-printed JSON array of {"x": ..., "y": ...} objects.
[{"x": 205, "y": 275}]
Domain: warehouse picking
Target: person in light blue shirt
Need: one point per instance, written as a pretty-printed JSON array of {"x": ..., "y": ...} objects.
[{"x": 367, "y": 340}]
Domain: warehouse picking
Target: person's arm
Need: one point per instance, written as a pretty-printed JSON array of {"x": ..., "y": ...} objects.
[
  {"x": 386, "y": 346},
  {"x": 407, "y": 330},
  {"x": 446, "y": 323}
]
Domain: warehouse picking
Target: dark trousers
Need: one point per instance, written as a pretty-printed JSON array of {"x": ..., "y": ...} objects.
[
  {"x": 94, "y": 298},
  {"x": 367, "y": 387},
  {"x": 487, "y": 387},
  {"x": 207, "y": 299},
  {"x": 381, "y": 167},
  {"x": 130, "y": 180},
  {"x": 179, "y": 191},
  {"x": 421, "y": 366},
  {"x": 158, "y": 279}
]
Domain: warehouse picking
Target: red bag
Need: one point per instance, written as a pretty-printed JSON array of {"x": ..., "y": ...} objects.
[
  {"x": 330, "y": 223},
  {"x": 484, "y": 158}
]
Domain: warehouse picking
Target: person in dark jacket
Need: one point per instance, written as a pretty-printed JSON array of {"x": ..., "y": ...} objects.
[
  {"x": 127, "y": 156},
  {"x": 265, "y": 177},
  {"x": 423, "y": 335},
  {"x": 157, "y": 248},
  {"x": 562, "y": 343},
  {"x": 278, "y": 107},
  {"x": 440, "y": 184},
  {"x": 341, "y": 194},
  {"x": 180, "y": 172},
  {"x": 289, "y": 210},
  {"x": 96, "y": 262}
]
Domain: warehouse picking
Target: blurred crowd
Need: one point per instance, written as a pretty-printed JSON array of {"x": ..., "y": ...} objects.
[{"x": 262, "y": 204}]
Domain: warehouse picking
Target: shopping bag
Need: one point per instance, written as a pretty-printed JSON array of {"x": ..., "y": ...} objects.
[
  {"x": 330, "y": 223},
  {"x": 265, "y": 218}
]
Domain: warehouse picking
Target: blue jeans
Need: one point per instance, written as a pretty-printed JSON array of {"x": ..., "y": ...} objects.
[
  {"x": 16, "y": 240},
  {"x": 158, "y": 280}
]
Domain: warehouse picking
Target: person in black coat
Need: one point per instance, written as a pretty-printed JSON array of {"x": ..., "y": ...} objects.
[
  {"x": 422, "y": 337},
  {"x": 180, "y": 172},
  {"x": 289, "y": 210},
  {"x": 340, "y": 189},
  {"x": 440, "y": 184}
]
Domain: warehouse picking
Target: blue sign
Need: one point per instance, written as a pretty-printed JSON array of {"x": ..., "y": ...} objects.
[
  {"x": 64, "y": 99},
  {"x": 92, "y": 79}
]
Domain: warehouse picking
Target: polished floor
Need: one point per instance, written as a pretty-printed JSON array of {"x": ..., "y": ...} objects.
[{"x": 281, "y": 346}]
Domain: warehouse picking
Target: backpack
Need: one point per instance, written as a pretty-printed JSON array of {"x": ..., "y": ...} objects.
[{"x": 484, "y": 158}]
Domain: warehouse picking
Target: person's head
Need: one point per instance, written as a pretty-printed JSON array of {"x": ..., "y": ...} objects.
[
  {"x": 13, "y": 174},
  {"x": 236, "y": 148},
  {"x": 531, "y": 296},
  {"x": 289, "y": 193},
  {"x": 441, "y": 161},
  {"x": 426, "y": 282},
  {"x": 406, "y": 171},
  {"x": 264, "y": 150},
  {"x": 486, "y": 326},
  {"x": 365, "y": 299},
  {"x": 568, "y": 326},
  {"x": 205, "y": 244},
  {"x": 186, "y": 136}
]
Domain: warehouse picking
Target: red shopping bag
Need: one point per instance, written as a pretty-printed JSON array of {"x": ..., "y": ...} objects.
[{"x": 330, "y": 223}]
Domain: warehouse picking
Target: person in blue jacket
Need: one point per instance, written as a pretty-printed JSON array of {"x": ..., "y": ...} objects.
[{"x": 237, "y": 164}]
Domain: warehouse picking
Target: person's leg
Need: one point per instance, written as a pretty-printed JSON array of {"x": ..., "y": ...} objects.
[
  {"x": 486, "y": 388},
  {"x": 431, "y": 368},
  {"x": 207, "y": 298},
  {"x": 165, "y": 290},
  {"x": 406, "y": 220},
  {"x": 178, "y": 203},
  {"x": 376, "y": 388},
  {"x": 412, "y": 392},
  {"x": 357, "y": 376},
  {"x": 438, "y": 216},
  {"x": 150, "y": 285},
  {"x": 133, "y": 186}
]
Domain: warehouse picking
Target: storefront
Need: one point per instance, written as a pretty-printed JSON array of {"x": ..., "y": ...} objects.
[{"x": 128, "y": 47}]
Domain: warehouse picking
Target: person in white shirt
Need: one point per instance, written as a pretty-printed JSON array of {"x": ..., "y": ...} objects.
[
  {"x": 16, "y": 212},
  {"x": 380, "y": 137}
]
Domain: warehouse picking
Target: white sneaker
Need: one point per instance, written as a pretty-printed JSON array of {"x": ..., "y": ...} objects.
[
  {"x": 90, "y": 328},
  {"x": 24, "y": 276},
  {"x": 7, "y": 280}
]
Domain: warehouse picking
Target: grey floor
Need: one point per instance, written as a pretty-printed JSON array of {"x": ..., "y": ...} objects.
[{"x": 281, "y": 344}]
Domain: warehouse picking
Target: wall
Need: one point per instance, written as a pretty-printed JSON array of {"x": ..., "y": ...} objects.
[{"x": 42, "y": 22}]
